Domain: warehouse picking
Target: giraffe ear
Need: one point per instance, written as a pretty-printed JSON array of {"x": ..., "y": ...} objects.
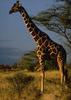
[{"x": 19, "y": 3}]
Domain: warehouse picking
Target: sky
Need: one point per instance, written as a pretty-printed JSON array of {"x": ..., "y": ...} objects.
[{"x": 13, "y": 32}]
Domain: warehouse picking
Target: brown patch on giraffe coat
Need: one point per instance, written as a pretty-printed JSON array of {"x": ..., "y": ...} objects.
[
  {"x": 31, "y": 25},
  {"x": 36, "y": 37},
  {"x": 30, "y": 29},
  {"x": 23, "y": 15},
  {"x": 33, "y": 33},
  {"x": 25, "y": 19},
  {"x": 41, "y": 40},
  {"x": 46, "y": 43}
]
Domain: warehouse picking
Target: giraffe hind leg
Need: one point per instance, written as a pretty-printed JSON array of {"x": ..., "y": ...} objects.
[{"x": 61, "y": 69}]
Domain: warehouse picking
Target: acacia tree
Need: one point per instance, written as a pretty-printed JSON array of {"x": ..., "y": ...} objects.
[{"x": 57, "y": 19}]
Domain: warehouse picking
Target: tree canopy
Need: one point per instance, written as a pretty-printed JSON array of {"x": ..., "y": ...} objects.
[{"x": 57, "y": 19}]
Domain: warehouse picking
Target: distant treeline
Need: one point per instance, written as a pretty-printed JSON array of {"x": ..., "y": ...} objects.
[{"x": 5, "y": 67}]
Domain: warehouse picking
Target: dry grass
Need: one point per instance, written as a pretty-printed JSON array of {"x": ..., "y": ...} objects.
[{"x": 20, "y": 85}]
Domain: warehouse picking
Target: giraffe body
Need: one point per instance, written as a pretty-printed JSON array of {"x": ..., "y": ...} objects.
[{"x": 46, "y": 48}]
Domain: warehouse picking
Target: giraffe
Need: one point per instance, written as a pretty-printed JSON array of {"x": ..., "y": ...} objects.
[{"x": 46, "y": 47}]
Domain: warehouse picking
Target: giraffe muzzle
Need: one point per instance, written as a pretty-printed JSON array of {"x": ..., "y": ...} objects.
[{"x": 10, "y": 12}]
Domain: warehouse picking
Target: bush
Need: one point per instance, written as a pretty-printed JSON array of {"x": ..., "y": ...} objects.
[
  {"x": 50, "y": 65},
  {"x": 30, "y": 62}
]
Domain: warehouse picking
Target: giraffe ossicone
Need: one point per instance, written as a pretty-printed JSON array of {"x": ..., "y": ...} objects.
[{"x": 46, "y": 47}]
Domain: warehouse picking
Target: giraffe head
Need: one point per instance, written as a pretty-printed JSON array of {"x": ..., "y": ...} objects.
[{"x": 15, "y": 7}]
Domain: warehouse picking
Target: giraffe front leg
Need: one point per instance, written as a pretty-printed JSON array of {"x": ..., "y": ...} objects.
[{"x": 41, "y": 62}]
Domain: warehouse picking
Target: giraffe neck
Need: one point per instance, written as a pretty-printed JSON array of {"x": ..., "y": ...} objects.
[{"x": 33, "y": 29}]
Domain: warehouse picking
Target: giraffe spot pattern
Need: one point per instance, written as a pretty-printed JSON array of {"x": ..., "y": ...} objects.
[{"x": 30, "y": 29}]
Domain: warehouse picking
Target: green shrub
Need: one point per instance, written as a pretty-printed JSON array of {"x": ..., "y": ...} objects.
[
  {"x": 29, "y": 61},
  {"x": 50, "y": 65}
]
